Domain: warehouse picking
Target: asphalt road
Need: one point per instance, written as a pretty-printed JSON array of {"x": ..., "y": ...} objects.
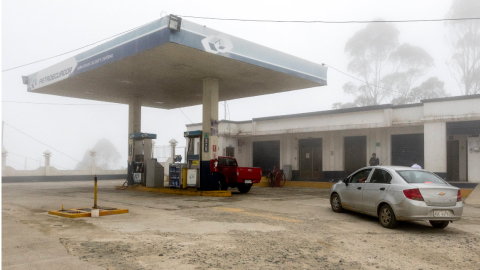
[{"x": 268, "y": 228}]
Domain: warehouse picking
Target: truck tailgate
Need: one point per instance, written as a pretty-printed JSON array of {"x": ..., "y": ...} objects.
[{"x": 249, "y": 173}]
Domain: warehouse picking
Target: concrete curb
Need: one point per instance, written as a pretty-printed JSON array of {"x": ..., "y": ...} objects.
[
  {"x": 81, "y": 212},
  {"x": 188, "y": 192}
]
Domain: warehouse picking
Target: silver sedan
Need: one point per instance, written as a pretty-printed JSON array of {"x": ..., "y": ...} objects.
[{"x": 394, "y": 193}]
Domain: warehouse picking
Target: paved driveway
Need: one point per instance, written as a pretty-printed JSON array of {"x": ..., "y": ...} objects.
[{"x": 268, "y": 228}]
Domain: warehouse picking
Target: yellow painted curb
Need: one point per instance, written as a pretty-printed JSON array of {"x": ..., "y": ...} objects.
[
  {"x": 80, "y": 212},
  {"x": 309, "y": 184},
  {"x": 178, "y": 191},
  {"x": 299, "y": 184},
  {"x": 465, "y": 192}
]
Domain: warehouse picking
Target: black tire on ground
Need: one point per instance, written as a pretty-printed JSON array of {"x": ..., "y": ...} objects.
[
  {"x": 336, "y": 203},
  {"x": 387, "y": 217},
  {"x": 244, "y": 188},
  {"x": 439, "y": 224},
  {"x": 222, "y": 183}
]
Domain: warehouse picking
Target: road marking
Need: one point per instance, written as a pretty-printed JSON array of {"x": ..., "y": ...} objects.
[{"x": 242, "y": 211}]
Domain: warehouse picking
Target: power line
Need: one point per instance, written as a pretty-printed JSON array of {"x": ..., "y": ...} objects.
[
  {"x": 37, "y": 160},
  {"x": 78, "y": 48},
  {"x": 331, "y": 22},
  {"x": 63, "y": 104},
  {"x": 45, "y": 144},
  {"x": 28, "y": 167},
  {"x": 185, "y": 115},
  {"x": 388, "y": 89},
  {"x": 252, "y": 20}
]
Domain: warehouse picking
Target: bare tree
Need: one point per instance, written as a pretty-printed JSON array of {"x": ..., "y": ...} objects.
[
  {"x": 107, "y": 156},
  {"x": 339, "y": 105},
  {"x": 389, "y": 70},
  {"x": 370, "y": 49},
  {"x": 409, "y": 64},
  {"x": 431, "y": 88},
  {"x": 464, "y": 39}
]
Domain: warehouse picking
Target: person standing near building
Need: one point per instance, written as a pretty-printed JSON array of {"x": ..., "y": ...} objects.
[
  {"x": 374, "y": 161},
  {"x": 415, "y": 165}
]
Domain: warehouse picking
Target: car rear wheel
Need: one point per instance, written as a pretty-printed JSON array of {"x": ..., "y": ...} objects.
[
  {"x": 244, "y": 188},
  {"x": 336, "y": 203},
  {"x": 439, "y": 224},
  {"x": 387, "y": 217}
]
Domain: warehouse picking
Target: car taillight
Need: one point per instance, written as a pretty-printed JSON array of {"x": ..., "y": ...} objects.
[
  {"x": 413, "y": 194},
  {"x": 459, "y": 196}
]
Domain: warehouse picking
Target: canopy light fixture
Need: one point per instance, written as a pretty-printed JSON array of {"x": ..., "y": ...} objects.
[{"x": 175, "y": 23}]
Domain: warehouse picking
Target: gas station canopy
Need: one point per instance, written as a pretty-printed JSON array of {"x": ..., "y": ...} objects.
[{"x": 165, "y": 68}]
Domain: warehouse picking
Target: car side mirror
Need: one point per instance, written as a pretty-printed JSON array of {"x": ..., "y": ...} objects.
[{"x": 345, "y": 181}]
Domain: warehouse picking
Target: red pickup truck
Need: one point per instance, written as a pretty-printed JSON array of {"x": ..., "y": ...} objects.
[{"x": 230, "y": 175}]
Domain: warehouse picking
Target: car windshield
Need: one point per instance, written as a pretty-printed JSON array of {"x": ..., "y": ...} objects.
[
  {"x": 413, "y": 176},
  {"x": 227, "y": 162}
]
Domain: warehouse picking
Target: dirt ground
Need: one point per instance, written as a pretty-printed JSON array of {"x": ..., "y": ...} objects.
[{"x": 282, "y": 228}]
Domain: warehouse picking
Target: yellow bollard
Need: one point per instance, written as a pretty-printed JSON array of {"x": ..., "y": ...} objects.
[
  {"x": 184, "y": 178},
  {"x": 95, "y": 194}
]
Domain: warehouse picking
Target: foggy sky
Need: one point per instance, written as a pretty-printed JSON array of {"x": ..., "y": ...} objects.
[{"x": 33, "y": 30}]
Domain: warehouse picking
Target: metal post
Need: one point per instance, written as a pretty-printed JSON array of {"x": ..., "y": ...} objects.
[{"x": 95, "y": 196}]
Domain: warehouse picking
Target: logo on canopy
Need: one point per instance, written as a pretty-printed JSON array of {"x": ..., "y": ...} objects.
[{"x": 217, "y": 44}]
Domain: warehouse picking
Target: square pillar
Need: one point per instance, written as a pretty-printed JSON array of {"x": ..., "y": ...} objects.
[
  {"x": 210, "y": 118},
  {"x": 210, "y": 147},
  {"x": 134, "y": 126},
  {"x": 435, "y": 140}
]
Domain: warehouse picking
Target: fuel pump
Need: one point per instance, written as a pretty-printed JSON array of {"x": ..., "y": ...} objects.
[
  {"x": 193, "y": 152},
  {"x": 139, "y": 152}
]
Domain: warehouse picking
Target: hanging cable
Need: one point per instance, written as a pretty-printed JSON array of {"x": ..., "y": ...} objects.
[
  {"x": 388, "y": 89},
  {"x": 45, "y": 144},
  {"x": 9, "y": 160},
  {"x": 330, "y": 22},
  {"x": 37, "y": 160},
  {"x": 185, "y": 115},
  {"x": 124, "y": 32}
]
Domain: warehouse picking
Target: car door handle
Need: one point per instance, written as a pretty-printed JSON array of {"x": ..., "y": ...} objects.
[
  {"x": 382, "y": 188},
  {"x": 359, "y": 188}
]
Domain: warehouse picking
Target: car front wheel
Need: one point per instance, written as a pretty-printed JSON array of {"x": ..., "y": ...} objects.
[
  {"x": 439, "y": 224},
  {"x": 387, "y": 217},
  {"x": 336, "y": 203}
]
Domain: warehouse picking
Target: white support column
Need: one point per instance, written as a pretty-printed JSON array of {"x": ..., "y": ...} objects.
[
  {"x": 173, "y": 144},
  {"x": 134, "y": 121},
  {"x": 134, "y": 126},
  {"x": 435, "y": 139},
  {"x": 47, "y": 154},
  {"x": 210, "y": 116}
]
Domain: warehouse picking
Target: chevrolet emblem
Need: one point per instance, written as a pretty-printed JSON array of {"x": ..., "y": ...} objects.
[{"x": 441, "y": 193}]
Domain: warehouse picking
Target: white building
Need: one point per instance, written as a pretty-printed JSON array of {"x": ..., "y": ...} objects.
[{"x": 442, "y": 134}]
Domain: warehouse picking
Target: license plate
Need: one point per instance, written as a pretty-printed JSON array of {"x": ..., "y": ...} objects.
[
  {"x": 248, "y": 181},
  {"x": 440, "y": 213}
]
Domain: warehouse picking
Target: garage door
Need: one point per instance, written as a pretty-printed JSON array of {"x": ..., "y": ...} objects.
[
  {"x": 405, "y": 147},
  {"x": 310, "y": 158},
  {"x": 355, "y": 153},
  {"x": 266, "y": 155}
]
